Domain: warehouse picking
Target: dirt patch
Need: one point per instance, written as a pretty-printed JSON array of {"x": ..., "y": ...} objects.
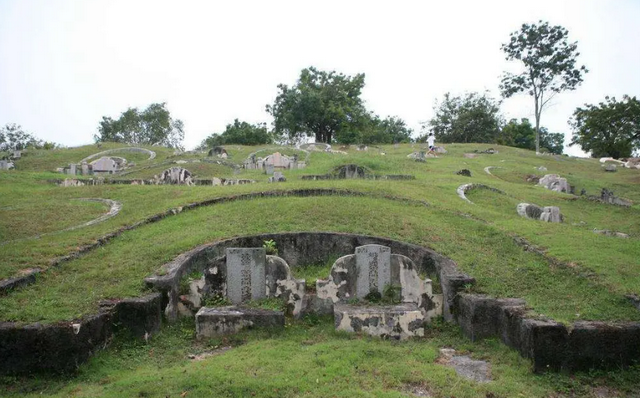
[{"x": 204, "y": 355}]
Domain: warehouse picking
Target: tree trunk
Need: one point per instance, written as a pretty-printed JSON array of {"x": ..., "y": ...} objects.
[{"x": 537, "y": 112}]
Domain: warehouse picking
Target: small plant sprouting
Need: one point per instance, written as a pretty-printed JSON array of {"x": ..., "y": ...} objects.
[
  {"x": 270, "y": 247},
  {"x": 217, "y": 300}
]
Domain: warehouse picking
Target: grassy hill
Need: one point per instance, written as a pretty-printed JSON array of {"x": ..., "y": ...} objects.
[{"x": 582, "y": 276}]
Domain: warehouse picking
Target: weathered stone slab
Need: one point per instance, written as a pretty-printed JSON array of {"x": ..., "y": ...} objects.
[
  {"x": 246, "y": 274},
  {"x": 373, "y": 264},
  {"x": 398, "y": 321},
  {"x": 212, "y": 322}
]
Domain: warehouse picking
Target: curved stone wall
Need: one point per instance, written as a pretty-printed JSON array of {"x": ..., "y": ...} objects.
[{"x": 152, "y": 154}]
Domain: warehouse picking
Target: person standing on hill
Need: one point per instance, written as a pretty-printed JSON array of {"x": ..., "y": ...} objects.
[{"x": 431, "y": 142}]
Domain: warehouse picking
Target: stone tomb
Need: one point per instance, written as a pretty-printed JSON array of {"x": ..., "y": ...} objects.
[{"x": 370, "y": 271}]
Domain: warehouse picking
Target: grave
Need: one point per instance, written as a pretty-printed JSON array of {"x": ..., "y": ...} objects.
[
  {"x": 277, "y": 177},
  {"x": 372, "y": 271},
  {"x": 175, "y": 176},
  {"x": 247, "y": 274},
  {"x": 218, "y": 151},
  {"x": 547, "y": 214},
  {"x": 611, "y": 168},
  {"x": 108, "y": 165},
  {"x": 555, "y": 183}
]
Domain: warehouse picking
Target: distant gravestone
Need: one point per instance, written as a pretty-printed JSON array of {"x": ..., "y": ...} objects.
[
  {"x": 246, "y": 279},
  {"x": 72, "y": 169},
  {"x": 86, "y": 170},
  {"x": 611, "y": 168},
  {"x": 268, "y": 168},
  {"x": 373, "y": 263}
]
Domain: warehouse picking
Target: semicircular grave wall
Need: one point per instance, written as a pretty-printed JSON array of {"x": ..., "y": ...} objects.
[{"x": 151, "y": 154}]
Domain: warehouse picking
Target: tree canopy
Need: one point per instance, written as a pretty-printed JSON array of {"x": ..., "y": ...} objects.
[
  {"x": 611, "y": 128},
  {"x": 239, "y": 133},
  {"x": 473, "y": 117},
  {"x": 152, "y": 126},
  {"x": 321, "y": 105},
  {"x": 523, "y": 135},
  {"x": 14, "y": 138},
  {"x": 549, "y": 62}
]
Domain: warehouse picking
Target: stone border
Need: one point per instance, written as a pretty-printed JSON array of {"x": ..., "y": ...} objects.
[
  {"x": 8, "y": 284},
  {"x": 488, "y": 170},
  {"x": 463, "y": 189},
  {"x": 63, "y": 346},
  {"x": 152, "y": 154},
  {"x": 114, "y": 209},
  {"x": 369, "y": 175},
  {"x": 299, "y": 248},
  {"x": 549, "y": 344}
]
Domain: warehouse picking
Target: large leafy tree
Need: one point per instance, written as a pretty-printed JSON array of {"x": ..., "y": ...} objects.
[
  {"x": 523, "y": 135},
  {"x": 240, "y": 133},
  {"x": 611, "y": 128},
  {"x": 549, "y": 65},
  {"x": 13, "y": 137},
  {"x": 152, "y": 126},
  {"x": 321, "y": 105},
  {"x": 473, "y": 117}
]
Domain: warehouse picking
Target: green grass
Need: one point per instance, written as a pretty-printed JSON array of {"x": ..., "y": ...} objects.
[
  {"x": 309, "y": 359},
  {"x": 312, "y": 272}
]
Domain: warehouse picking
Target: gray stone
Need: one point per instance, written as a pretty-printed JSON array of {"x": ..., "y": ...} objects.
[
  {"x": 607, "y": 196},
  {"x": 465, "y": 172},
  {"x": 246, "y": 279},
  {"x": 72, "y": 169},
  {"x": 211, "y": 322},
  {"x": 607, "y": 232},
  {"x": 269, "y": 168},
  {"x": 277, "y": 177},
  {"x": 555, "y": 183},
  {"x": 551, "y": 214},
  {"x": 107, "y": 164},
  {"x": 175, "y": 176},
  {"x": 373, "y": 264},
  {"x": 398, "y": 321},
  {"x": 610, "y": 167},
  {"x": 6, "y": 165},
  {"x": 471, "y": 369},
  {"x": 86, "y": 169}
]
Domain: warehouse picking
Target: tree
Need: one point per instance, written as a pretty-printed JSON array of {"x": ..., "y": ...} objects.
[
  {"x": 153, "y": 126},
  {"x": 473, "y": 117},
  {"x": 612, "y": 128},
  {"x": 523, "y": 135},
  {"x": 239, "y": 133},
  {"x": 370, "y": 129},
  {"x": 321, "y": 104},
  {"x": 549, "y": 65},
  {"x": 14, "y": 138}
]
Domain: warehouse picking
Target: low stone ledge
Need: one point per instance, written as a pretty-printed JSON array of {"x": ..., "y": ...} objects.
[
  {"x": 7, "y": 285},
  {"x": 550, "y": 345},
  {"x": 464, "y": 188},
  {"x": 61, "y": 347},
  {"x": 396, "y": 321},
  {"x": 212, "y": 322}
]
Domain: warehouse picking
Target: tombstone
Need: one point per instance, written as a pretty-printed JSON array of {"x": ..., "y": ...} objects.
[
  {"x": 268, "y": 168},
  {"x": 555, "y": 183},
  {"x": 86, "y": 169},
  {"x": 246, "y": 279},
  {"x": 396, "y": 145},
  {"x": 16, "y": 154},
  {"x": 104, "y": 165},
  {"x": 373, "y": 263},
  {"x": 73, "y": 169},
  {"x": 277, "y": 177},
  {"x": 611, "y": 168}
]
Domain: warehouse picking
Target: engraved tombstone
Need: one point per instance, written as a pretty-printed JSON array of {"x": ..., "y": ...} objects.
[
  {"x": 246, "y": 274},
  {"x": 373, "y": 263}
]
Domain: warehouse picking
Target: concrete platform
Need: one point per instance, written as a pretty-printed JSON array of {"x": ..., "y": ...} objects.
[
  {"x": 212, "y": 322},
  {"x": 397, "y": 321}
]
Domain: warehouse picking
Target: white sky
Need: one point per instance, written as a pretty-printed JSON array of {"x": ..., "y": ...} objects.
[{"x": 65, "y": 64}]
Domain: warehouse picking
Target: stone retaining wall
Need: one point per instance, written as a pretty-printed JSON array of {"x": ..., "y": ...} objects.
[
  {"x": 63, "y": 346},
  {"x": 549, "y": 344}
]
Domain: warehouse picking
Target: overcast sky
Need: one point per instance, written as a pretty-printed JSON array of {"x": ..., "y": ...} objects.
[{"x": 66, "y": 63}]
